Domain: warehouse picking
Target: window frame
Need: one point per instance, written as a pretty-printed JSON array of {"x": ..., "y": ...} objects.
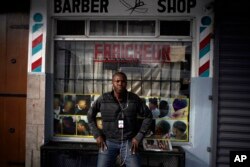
[{"x": 156, "y": 37}]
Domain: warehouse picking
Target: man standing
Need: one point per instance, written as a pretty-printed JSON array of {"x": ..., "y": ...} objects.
[{"x": 120, "y": 135}]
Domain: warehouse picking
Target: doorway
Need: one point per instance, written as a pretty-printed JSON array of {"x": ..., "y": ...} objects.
[{"x": 13, "y": 87}]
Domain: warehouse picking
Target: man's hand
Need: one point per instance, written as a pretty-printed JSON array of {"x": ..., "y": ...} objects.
[
  {"x": 101, "y": 143},
  {"x": 134, "y": 147}
]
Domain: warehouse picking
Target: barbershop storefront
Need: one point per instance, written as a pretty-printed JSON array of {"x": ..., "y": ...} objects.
[{"x": 164, "y": 47}]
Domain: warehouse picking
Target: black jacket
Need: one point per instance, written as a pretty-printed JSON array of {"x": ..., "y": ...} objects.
[{"x": 111, "y": 112}]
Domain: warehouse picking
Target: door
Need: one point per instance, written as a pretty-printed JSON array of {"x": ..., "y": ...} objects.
[
  {"x": 13, "y": 83},
  {"x": 231, "y": 81}
]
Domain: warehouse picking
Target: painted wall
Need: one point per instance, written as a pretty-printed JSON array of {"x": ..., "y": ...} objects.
[{"x": 200, "y": 123}]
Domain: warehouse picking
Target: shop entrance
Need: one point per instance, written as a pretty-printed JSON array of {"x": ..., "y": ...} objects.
[{"x": 13, "y": 91}]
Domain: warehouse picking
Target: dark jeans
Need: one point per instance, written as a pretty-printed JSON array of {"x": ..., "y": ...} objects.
[{"x": 108, "y": 157}]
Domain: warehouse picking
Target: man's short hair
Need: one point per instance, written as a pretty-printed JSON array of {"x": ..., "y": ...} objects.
[
  {"x": 179, "y": 104},
  {"x": 180, "y": 125},
  {"x": 82, "y": 122},
  {"x": 164, "y": 108},
  {"x": 153, "y": 101},
  {"x": 164, "y": 125},
  {"x": 120, "y": 73}
]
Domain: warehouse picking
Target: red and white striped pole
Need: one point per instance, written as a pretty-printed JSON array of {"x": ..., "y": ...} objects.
[
  {"x": 205, "y": 47},
  {"x": 37, "y": 43}
]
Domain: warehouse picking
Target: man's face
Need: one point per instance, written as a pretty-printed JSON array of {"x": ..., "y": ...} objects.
[
  {"x": 99, "y": 123},
  {"x": 158, "y": 130},
  {"x": 175, "y": 132},
  {"x": 81, "y": 128},
  {"x": 68, "y": 106},
  {"x": 56, "y": 103},
  {"x": 119, "y": 84},
  {"x": 82, "y": 104},
  {"x": 152, "y": 106},
  {"x": 66, "y": 123}
]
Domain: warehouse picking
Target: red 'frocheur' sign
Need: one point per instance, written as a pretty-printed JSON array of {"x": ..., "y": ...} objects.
[{"x": 132, "y": 52}]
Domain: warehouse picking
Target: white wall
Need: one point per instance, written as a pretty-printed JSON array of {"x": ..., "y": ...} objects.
[{"x": 200, "y": 123}]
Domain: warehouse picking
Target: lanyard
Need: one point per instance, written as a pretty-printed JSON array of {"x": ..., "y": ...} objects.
[{"x": 126, "y": 106}]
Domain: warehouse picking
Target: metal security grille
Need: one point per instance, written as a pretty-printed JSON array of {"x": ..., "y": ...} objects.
[{"x": 231, "y": 80}]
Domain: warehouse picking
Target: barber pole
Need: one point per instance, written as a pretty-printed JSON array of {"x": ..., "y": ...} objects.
[
  {"x": 37, "y": 40},
  {"x": 205, "y": 47}
]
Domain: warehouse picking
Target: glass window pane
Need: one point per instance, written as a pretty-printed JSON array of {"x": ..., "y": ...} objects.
[
  {"x": 70, "y": 27},
  {"x": 137, "y": 87},
  {"x": 146, "y": 74},
  {"x": 70, "y": 86},
  {"x": 146, "y": 88},
  {"x": 155, "y": 89},
  {"x": 98, "y": 87},
  {"x": 79, "y": 85},
  {"x": 165, "y": 89},
  {"x": 165, "y": 72},
  {"x": 176, "y": 71},
  {"x": 122, "y": 28},
  {"x": 141, "y": 28},
  {"x": 156, "y": 73},
  {"x": 175, "y": 28},
  {"x": 58, "y": 86},
  {"x": 175, "y": 89},
  {"x": 105, "y": 28},
  {"x": 88, "y": 87},
  {"x": 107, "y": 86}
]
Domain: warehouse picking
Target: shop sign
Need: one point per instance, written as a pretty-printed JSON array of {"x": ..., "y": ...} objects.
[
  {"x": 143, "y": 53},
  {"x": 127, "y": 7}
]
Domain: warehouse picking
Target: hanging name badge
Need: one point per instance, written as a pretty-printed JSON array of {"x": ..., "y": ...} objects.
[{"x": 120, "y": 124}]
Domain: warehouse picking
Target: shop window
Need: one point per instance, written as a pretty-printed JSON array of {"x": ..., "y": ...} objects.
[
  {"x": 159, "y": 72},
  {"x": 175, "y": 28},
  {"x": 70, "y": 27},
  {"x": 155, "y": 70}
]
